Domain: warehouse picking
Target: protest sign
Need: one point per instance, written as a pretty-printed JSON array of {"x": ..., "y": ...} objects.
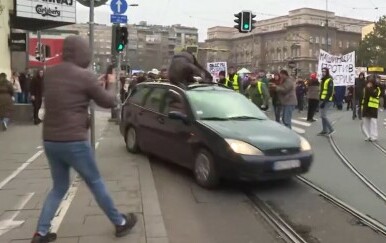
[
  {"x": 342, "y": 68},
  {"x": 215, "y": 67}
]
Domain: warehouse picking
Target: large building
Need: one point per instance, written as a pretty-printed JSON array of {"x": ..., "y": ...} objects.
[
  {"x": 296, "y": 37},
  {"x": 150, "y": 46},
  {"x": 367, "y": 30}
]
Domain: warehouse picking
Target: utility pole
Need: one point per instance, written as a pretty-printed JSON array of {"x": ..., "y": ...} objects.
[
  {"x": 39, "y": 35},
  {"x": 91, "y": 45},
  {"x": 326, "y": 25}
]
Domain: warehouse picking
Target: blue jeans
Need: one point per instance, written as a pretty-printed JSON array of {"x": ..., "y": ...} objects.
[
  {"x": 78, "y": 155},
  {"x": 5, "y": 120},
  {"x": 326, "y": 124},
  {"x": 287, "y": 115}
]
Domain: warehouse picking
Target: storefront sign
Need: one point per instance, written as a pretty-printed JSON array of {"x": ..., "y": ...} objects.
[
  {"x": 53, "y": 10},
  {"x": 18, "y": 42}
]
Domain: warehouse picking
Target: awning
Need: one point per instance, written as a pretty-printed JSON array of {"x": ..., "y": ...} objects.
[{"x": 34, "y": 24}]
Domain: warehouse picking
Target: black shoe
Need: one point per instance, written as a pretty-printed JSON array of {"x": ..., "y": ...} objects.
[
  {"x": 122, "y": 230},
  {"x": 322, "y": 134},
  {"x": 50, "y": 237},
  {"x": 311, "y": 120}
]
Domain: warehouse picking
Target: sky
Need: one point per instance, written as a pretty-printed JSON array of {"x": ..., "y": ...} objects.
[{"x": 204, "y": 14}]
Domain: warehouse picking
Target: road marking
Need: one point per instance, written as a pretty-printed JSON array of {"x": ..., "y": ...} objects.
[
  {"x": 299, "y": 130},
  {"x": 66, "y": 203},
  {"x": 305, "y": 124},
  {"x": 305, "y": 118},
  {"x": 39, "y": 147},
  {"x": 10, "y": 223},
  {"x": 20, "y": 169}
]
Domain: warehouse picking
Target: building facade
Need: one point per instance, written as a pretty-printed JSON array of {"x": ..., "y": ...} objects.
[
  {"x": 367, "y": 30},
  {"x": 149, "y": 46},
  {"x": 296, "y": 37}
]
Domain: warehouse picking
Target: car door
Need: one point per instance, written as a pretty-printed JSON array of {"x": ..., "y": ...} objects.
[
  {"x": 175, "y": 133},
  {"x": 149, "y": 120}
]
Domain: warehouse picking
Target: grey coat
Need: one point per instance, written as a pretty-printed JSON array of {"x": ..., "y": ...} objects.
[{"x": 287, "y": 92}]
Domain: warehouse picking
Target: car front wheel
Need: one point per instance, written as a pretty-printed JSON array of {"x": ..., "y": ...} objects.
[
  {"x": 204, "y": 170},
  {"x": 132, "y": 140}
]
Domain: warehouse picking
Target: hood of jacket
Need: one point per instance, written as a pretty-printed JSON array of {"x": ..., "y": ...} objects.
[{"x": 77, "y": 51}]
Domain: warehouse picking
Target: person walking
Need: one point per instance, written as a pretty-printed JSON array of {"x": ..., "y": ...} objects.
[
  {"x": 370, "y": 106},
  {"x": 36, "y": 91},
  {"x": 360, "y": 84},
  {"x": 275, "y": 97},
  {"x": 258, "y": 92},
  {"x": 69, "y": 88},
  {"x": 287, "y": 96},
  {"x": 313, "y": 97},
  {"x": 326, "y": 97},
  {"x": 6, "y": 103}
]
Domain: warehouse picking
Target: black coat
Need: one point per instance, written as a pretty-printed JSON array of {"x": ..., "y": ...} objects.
[{"x": 369, "y": 112}]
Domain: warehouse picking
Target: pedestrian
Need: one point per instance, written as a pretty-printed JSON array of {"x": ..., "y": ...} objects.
[
  {"x": 349, "y": 98},
  {"x": 326, "y": 98},
  {"x": 300, "y": 94},
  {"x": 36, "y": 90},
  {"x": 313, "y": 96},
  {"x": 370, "y": 106},
  {"x": 276, "y": 80},
  {"x": 16, "y": 87},
  {"x": 258, "y": 92},
  {"x": 234, "y": 81},
  {"x": 360, "y": 84},
  {"x": 6, "y": 103},
  {"x": 23, "y": 80},
  {"x": 69, "y": 88},
  {"x": 287, "y": 96}
]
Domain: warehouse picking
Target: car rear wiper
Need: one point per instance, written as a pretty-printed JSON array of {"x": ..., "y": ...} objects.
[
  {"x": 213, "y": 118},
  {"x": 245, "y": 118}
]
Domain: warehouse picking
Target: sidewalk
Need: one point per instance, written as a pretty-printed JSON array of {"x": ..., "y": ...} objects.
[{"x": 130, "y": 180}]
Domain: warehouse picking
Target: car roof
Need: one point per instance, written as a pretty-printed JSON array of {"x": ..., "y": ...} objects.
[{"x": 195, "y": 86}]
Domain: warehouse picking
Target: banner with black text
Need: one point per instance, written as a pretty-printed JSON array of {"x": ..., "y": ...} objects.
[{"x": 342, "y": 68}]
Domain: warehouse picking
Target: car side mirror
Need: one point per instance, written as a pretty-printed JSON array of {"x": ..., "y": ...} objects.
[{"x": 177, "y": 115}]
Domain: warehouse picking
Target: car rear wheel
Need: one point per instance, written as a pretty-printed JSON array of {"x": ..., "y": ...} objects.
[
  {"x": 131, "y": 140},
  {"x": 204, "y": 170}
]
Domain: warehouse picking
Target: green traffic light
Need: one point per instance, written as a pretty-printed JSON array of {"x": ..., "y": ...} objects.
[
  {"x": 246, "y": 26},
  {"x": 120, "y": 47}
]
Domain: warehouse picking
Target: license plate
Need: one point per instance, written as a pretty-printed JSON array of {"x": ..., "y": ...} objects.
[{"x": 286, "y": 165}]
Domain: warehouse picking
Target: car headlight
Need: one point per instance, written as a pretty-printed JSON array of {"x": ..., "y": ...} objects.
[
  {"x": 304, "y": 144},
  {"x": 244, "y": 148}
]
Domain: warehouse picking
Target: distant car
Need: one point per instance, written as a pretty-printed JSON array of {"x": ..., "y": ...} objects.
[{"x": 216, "y": 132}]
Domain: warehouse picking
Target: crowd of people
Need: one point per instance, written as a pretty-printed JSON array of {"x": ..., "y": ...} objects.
[{"x": 23, "y": 89}]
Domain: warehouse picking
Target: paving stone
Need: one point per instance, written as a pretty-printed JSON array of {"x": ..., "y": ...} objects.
[
  {"x": 131, "y": 238},
  {"x": 158, "y": 240},
  {"x": 155, "y": 226}
]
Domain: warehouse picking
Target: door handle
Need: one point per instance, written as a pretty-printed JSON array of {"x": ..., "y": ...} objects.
[{"x": 161, "y": 120}]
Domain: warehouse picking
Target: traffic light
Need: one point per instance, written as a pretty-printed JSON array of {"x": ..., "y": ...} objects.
[
  {"x": 245, "y": 21},
  {"x": 238, "y": 21},
  {"x": 121, "y": 38}
]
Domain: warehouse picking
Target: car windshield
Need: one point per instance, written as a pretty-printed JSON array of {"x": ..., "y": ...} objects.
[{"x": 223, "y": 105}]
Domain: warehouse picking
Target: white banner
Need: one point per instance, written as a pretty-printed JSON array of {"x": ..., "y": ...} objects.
[
  {"x": 215, "y": 67},
  {"x": 342, "y": 68}
]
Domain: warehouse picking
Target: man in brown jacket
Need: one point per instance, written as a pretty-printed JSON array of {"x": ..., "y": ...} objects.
[{"x": 68, "y": 89}]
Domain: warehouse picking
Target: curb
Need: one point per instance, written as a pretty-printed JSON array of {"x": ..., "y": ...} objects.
[{"x": 155, "y": 229}]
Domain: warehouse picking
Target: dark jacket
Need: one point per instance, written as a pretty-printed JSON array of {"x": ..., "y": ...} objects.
[
  {"x": 273, "y": 92},
  {"x": 37, "y": 86},
  {"x": 69, "y": 88},
  {"x": 360, "y": 84},
  {"x": 366, "y": 110},
  {"x": 330, "y": 88},
  {"x": 6, "y": 103}
]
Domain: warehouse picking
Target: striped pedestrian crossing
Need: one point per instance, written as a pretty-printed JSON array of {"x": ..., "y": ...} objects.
[{"x": 300, "y": 126}]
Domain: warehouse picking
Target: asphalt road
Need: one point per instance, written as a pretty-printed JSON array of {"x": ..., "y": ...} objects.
[{"x": 193, "y": 214}]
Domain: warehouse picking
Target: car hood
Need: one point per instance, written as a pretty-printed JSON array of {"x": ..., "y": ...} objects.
[{"x": 263, "y": 134}]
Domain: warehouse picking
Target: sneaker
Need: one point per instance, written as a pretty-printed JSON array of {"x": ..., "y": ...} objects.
[
  {"x": 50, "y": 237},
  {"x": 5, "y": 126},
  {"x": 122, "y": 230},
  {"x": 322, "y": 134}
]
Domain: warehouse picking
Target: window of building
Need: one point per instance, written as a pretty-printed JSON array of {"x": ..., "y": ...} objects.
[
  {"x": 317, "y": 40},
  {"x": 340, "y": 44},
  {"x": 310, "y": 67},
  {"x": 285, "y": 54},
  {"x": 329, "y": 41},
  {"x": 323, "y": 41},
  {"x": 316, "y": 67},
  {"x": 347, "y": 44},
  {"x": 310, "y": 52},
  {"x": 311, "y": 39},
  {"x": 273, "y": 56},
  {"x": 279, "y": 55}
]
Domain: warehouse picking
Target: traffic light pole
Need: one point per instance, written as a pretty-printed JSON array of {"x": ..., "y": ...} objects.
[
  {"x": 118, "y": 87},
  {"x": 91, "y": 45}
]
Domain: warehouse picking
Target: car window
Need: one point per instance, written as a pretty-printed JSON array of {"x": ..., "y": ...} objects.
[
  {"x": 212, "y": 104},
  {"x": 154, "y": 100},
  {"x": 173, "y": 103},
  {"x": 139, "y": 94}
]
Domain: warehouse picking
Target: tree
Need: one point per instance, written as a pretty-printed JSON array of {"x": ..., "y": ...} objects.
[{"x": 372, "y": 49}]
